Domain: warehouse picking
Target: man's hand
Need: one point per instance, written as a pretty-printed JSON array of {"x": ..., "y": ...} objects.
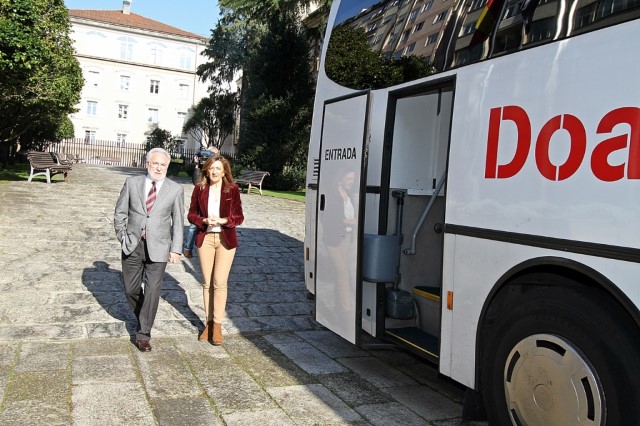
[{"x": 174, "y": 257}]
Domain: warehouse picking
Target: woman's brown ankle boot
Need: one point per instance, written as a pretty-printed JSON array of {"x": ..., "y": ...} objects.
[
  {"x": 207, "y": 333},
  {"x": 217, "y": 334}
]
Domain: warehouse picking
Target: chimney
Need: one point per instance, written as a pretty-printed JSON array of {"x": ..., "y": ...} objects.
[{"x": 126, "y": 7}]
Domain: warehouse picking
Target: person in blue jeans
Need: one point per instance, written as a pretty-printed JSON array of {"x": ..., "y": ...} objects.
[
  {"x": 189, "y": 241},
  {"x": 190, "y": 237}
]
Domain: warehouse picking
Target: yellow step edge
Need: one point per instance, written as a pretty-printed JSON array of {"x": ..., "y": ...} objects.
[
  {"x": 412, "y": 344},
  {"x": 426, "y": 295}
]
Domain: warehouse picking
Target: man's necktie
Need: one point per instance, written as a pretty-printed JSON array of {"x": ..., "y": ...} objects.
[{"x": 151, "y": 198}]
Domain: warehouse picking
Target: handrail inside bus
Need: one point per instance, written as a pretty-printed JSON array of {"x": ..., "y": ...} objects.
[{"x": 427, "y": 209}]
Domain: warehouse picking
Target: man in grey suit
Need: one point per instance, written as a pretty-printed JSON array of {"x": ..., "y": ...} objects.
[{"x": 148, "y": 221}]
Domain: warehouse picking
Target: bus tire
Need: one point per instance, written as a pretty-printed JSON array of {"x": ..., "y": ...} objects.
[{"x": 556, "y": 355}]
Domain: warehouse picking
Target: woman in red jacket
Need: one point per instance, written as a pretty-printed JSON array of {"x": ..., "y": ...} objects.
[{"x": 216, "y": 210}]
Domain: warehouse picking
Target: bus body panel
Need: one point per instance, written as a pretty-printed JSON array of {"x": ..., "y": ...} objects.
[
  {"x": 478, "y": 265},
  {"x": 555, "y": 80}
]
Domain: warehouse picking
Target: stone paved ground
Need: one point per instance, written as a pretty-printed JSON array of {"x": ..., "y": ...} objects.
[{"x": 65, "y": 352}]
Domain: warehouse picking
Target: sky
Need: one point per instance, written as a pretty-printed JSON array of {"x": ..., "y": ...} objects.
[
  {"x": 196, "y": 16},
  {"x": 352, "y": 8}
]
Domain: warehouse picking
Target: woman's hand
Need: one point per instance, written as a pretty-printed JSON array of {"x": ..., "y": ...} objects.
[{"x": 215, "y": 221}]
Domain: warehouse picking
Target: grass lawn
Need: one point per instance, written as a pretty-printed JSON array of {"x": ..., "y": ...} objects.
[
  {"x": 21, "y": 172},
  {"x": 289, "y": 195}
]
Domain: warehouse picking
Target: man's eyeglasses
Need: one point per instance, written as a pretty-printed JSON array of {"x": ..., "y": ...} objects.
[{"x": 158, "y": 165}]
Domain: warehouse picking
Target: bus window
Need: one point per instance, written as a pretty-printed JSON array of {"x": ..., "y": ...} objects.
[
  {"x": 509, "y": 34},
  {"x": 518, "y": 29},
  {"x": 380, "y": 44},
  {"x": 587, "y": 15}
]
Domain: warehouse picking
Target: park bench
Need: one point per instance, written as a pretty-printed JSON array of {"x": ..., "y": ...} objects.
[
  {"x": 252, "y": 178},
  {"x": 63, "y": 159},
  {"x": 46, "y": 163}
]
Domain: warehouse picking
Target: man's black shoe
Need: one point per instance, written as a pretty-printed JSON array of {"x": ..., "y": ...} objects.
[{"x": 143, "y": 345}]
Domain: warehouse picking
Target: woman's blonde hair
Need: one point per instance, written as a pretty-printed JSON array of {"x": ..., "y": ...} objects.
[{"x": 226, "y": 167}]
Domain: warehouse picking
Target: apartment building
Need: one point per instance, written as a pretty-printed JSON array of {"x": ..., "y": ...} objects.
[{"x": 140, "y": 74}]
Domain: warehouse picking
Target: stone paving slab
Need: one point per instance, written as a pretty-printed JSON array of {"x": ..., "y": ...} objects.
[{"x": 66, "y": 355}]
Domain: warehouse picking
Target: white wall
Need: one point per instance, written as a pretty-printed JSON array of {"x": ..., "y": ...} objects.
[{"x": 170, "y": 60}]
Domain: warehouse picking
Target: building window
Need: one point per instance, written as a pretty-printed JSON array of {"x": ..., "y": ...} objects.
[
  {"x": 90, "y": 137},
  {"x": 512, "y": 10},
  {"x": 93, "y": 78},
  {"x": 418, "y": 27},
  {"x": 413, "y": 15},
  {"x": 476, "y": 4},
  {"x": 155, "y": 54},
  {"x": 186, "y": 58},
  {"x": 92, "y": 108},
  {"x": 431, "y": 39},
  {"x": 124, "y": 83},
  {"x": 123, "y": 111},
  {"x": 121, "y": 138},
  {"x": 426, "y": 6},
  {"x": 468, "y": 29},
  {"x": 182, "y": 118},
  {"x": 439, "y": 17},
  {"x": 405, "y": 36},
  {"x": 377, "y": 39},
  {"x": 183, "y": 91},
  {"x": 410, "y": 48},
  {"x": 153, "y": 115},
  {"x": 154, "y": 86},
  {"x": 126, "y": 48}
]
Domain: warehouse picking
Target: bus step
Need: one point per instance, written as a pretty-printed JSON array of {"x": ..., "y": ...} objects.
[
  {"x": 428, "y": 303},
  {"x": 432, "y": 293},
  {"x": 416, "y": 340}
]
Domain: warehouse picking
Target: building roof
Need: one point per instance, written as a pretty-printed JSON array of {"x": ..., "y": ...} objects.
[{"x": 132, "y": 20}]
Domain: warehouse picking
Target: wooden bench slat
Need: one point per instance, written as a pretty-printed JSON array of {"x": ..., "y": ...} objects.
[
  {"x": 47, "y": 164},
  {"x": 252, "y": 178}
]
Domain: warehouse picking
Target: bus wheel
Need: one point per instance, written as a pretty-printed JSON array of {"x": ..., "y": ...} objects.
[{"x": 561, "y": 356}]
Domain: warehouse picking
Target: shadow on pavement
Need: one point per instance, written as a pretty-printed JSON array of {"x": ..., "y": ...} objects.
[{"x": 107, "y": 287}]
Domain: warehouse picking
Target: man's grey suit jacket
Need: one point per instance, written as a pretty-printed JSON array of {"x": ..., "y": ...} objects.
[{"x": 163, "y": 225}]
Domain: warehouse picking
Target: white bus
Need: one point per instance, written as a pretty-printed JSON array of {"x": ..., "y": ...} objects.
[{"x": 478, "y": 203}]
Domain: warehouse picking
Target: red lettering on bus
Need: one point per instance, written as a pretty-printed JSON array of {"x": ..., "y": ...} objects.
[
  {"x": 599, "y": 159},
  {"x": 600, "y": 166},
  {"x": 521, "y": 120},
  {"x": 578, "y": 148}
]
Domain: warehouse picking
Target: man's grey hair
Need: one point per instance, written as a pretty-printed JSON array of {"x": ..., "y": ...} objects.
[{"x": 161, "y": 150}]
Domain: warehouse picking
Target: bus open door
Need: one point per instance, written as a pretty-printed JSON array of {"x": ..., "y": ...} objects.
[{"x": 341, "y": 182}]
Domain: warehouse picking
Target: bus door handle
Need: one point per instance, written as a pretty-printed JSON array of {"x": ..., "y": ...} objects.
[{"x": 321, "y": 202}]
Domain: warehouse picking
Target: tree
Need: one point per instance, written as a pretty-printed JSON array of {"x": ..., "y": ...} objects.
[
  {"x": 266, "y": 41},
  {"x": 351, "y": 62},
  {"x": 65, "y": 129},
  {"x": 41, "y": 79},
  {"x": 269, "y": 8},
  {"x": 213, "y": 118},
  {"x": 278, "y": 105},
  {"x": 231, "y": 42},
  {"x": 160, "y": 138}
]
